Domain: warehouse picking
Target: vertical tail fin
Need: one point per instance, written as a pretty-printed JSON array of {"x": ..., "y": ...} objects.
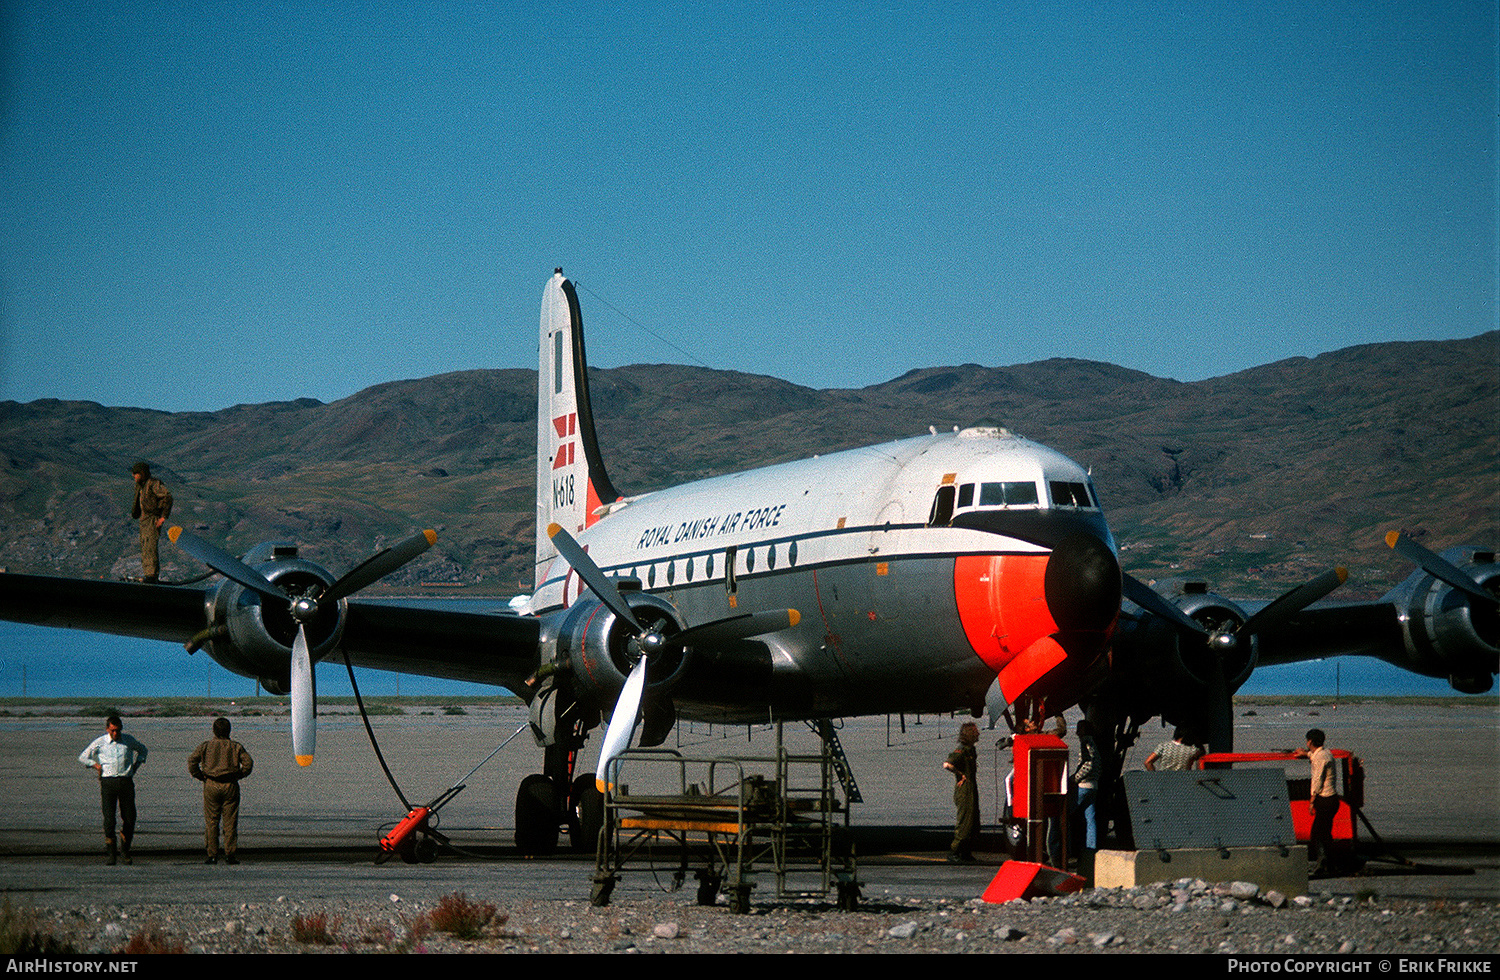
[{"x": 571, "y": 484}]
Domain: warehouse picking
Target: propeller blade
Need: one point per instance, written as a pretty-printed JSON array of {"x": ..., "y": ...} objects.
[
  {"x": 379, "y": 565},
  {"x": 737, "y": 628},
  {"x": 1150, "y": 600},
  {"x": 593, "y": 576},
  {"x": 1290, "y": 603},
  {"x": 304, "y": 702},
  {"x": 225, "y": 564},
  {"x": 1438, "y": 567},
  {"x": 622, "y": 723}
]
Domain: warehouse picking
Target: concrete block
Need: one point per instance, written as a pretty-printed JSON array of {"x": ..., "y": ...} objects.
[{"x": 1281, "y": 868}]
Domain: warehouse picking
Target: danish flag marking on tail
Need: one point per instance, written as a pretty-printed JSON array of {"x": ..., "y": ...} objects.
[{"x": 567, "y": 427}]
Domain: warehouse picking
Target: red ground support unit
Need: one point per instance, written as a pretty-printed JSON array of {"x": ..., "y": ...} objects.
[{"x": 1026, "y": 879}]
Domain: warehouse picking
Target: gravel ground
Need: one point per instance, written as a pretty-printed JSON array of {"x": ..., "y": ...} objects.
[{"x": 1187, "y": 917}]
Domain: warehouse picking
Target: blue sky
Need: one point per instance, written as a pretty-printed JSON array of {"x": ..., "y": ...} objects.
[{"x": 206, "y": 204}]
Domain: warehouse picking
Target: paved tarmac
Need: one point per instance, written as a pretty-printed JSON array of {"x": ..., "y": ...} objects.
[{"x": 1433, "y": 795}]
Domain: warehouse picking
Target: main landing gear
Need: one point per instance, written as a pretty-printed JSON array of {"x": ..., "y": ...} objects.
[{"x": 553, "y": 801}]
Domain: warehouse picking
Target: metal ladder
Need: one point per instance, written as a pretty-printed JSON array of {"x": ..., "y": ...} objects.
[{"x": 830, "y": 737}]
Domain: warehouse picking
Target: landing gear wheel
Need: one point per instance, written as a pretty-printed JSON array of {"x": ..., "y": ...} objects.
[
  {"x": 848, "y": 898},
  {"x": 708, "y": 886},
  {"x": 587, "y": 817},
  {"x": 1015, "y": 835},
  {"x": 536, "y": 816}
]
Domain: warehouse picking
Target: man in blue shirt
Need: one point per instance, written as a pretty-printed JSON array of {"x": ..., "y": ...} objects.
[{"x": 116, "y": 756}]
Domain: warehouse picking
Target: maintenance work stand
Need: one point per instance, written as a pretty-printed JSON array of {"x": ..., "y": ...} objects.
[{"x": 728, "y": 819}]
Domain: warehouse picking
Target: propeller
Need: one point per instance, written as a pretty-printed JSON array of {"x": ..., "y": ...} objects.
[
  {"x": 1439, "y": 567},
  {"x": 651, "y": 641},
  {"x": 1225, "y": 639},
  {"x": 304, "y": 609}
]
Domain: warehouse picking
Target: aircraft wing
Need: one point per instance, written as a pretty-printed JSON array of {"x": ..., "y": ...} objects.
[
  {"x": 484, "y": 645},
  {"x": 1369, "y": 629},
  {"x": 151, "y": 612},
  {"x": 1183, "y": 656},
  {"x": 470, "y": 640}
]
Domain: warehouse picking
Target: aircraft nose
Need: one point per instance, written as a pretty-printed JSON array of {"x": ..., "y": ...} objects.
[{"x": 1082, "y": 584}]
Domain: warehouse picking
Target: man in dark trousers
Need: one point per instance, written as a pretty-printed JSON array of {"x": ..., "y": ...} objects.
[
  {"x": 1323, "y": 801},
  {"x": 116, "y": 756},
  {"x": 220, "y": 764},
  {"x": 152, "y": 507}
]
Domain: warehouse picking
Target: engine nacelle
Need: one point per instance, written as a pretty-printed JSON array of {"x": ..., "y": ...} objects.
[
  {"x": 1221, "y": 617},
  {"x": 1447, "y": 632},
  {"x": 253, "y": 636},
  {"x": 601, "y": 646}
]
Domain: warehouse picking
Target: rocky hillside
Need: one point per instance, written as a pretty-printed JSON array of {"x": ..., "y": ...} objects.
[{"x": 1252, "y": 480}]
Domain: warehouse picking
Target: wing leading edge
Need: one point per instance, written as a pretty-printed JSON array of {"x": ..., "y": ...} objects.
[{"x": 438, "y": 639}]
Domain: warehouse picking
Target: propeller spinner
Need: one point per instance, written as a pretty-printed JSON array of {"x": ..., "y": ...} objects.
[{"x": 304, "y": 609}]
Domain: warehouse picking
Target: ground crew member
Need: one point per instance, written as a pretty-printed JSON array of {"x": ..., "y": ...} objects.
[
  {"x": 1322, "y": 802},
  {"x": 963, "y": 762},
  {"x": 116, "y": 756},
  {"x": 1175, "y": 754},
  {"x": 152, "y": 507},
  {"x": 220, "y": 764}
]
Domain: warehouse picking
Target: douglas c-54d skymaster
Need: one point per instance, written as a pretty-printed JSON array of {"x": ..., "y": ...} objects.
[{"x": 950, "y": 571}]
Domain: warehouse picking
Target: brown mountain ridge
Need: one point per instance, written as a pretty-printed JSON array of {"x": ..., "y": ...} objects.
[{"x": 1253, "y": 480}]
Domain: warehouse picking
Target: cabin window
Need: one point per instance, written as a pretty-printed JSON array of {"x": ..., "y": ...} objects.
[
  {"x": 771, "y": 557},
  {"x": 942, "y": 507},
  {"x": 651, "y": 577},
  {"x": 966, "y": 495},
  {"x": 671, "y": 573},
  {"x": 749, "y": 560},
  {"x": 708, "y": 566},
  {"x": 791, "y": 554},
  {"x": 687, "y": 566}
]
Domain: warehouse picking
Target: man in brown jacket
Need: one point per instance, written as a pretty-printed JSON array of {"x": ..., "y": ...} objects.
[
  {"x": 152, "y": 507},
  {"x": 220, "y": 764}
]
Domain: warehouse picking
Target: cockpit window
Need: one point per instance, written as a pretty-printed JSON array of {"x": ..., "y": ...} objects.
[
  {"x": 1016, "y": 493},
  {"x": 1066, "y": 494}
]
